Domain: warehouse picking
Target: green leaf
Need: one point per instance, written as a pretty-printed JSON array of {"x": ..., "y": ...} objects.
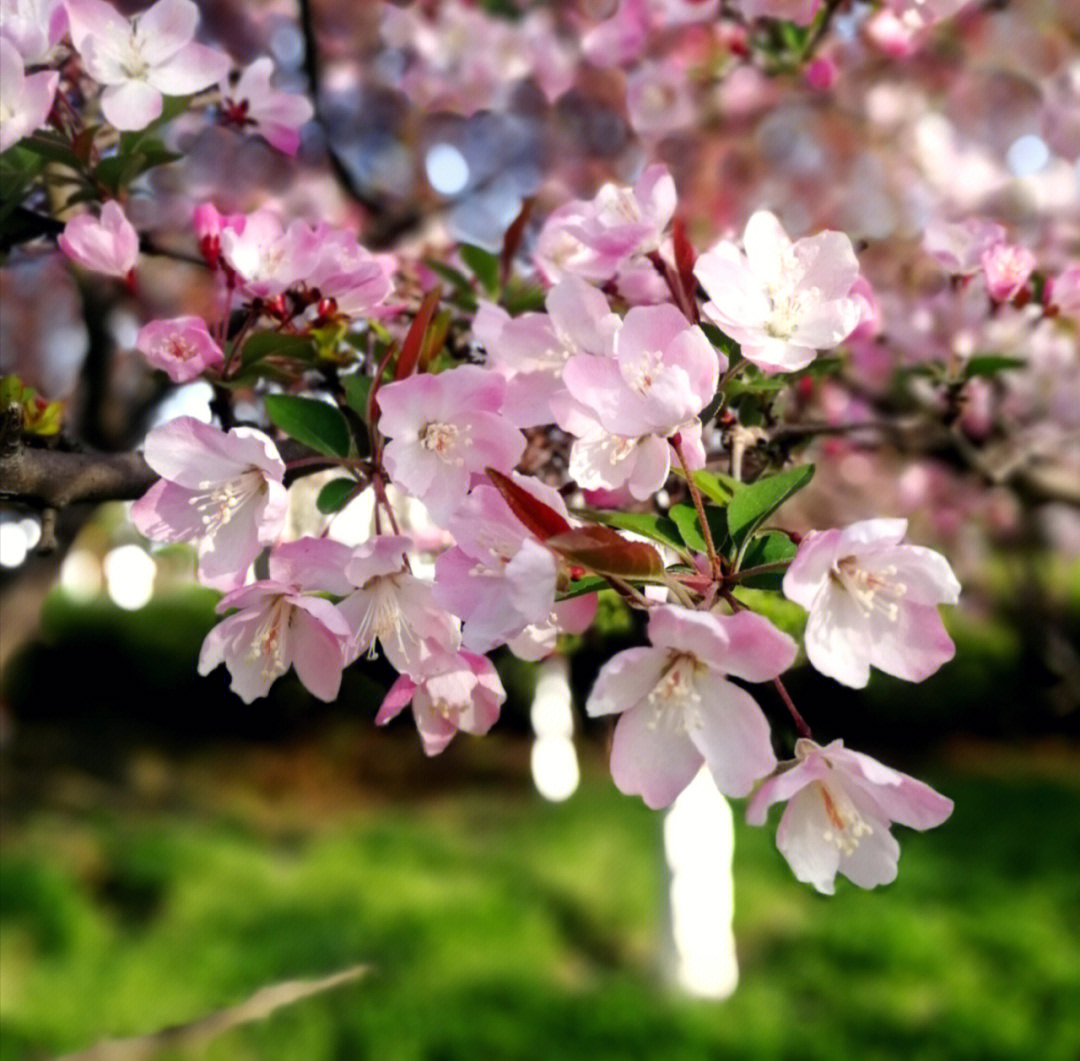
[
  {"x": 720, "y": 340},
  {"x": 52, "y": 148},
  {"x": 483, "y": 264},
  {"x": 716, "y": 487},
  {"x": 333, "y": 496},
  {"x": 753, "y": 503},
  {"x": 316, "y": 424},
  {"x": 647, "y": 524},
  {"x": 579, "y": 587},
  {"x": 991, "y": 365},
  {"x": 357, "y": 389},
  {"x": 276, "y": 344},
  {"x": 771, "y": 548},
  {"x": 685, "y": 517}
]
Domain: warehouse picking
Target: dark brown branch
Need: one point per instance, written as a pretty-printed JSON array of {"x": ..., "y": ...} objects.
[{"x": 49, "y": 478}]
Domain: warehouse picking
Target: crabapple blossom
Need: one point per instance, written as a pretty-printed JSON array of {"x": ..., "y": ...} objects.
[
  {"x": 34, "y": 28},
  {"x": 841, "y": 804},
  {"x": 872, "y": 602},
  {"x": 277, "y": 116},
  {"x": 183, "y": 347},
  {"x": 960, "y": 246},
  {"x": 109, "y": 245},
  {"x": 25, "y": 101},
  {"x": 443, "y": 429},
  {"x": 532, "y": 349},
  {"x": 593, "y": 239},
  {"x": 497, "y": 578},
  {"x": 223, "y": 490},
  {"x": 539, "y": 640},
  {"x": 1006, "y": 268},
  {"x": 781, "y": 301},
  {"x": 388, "y": 604},
  {"x": 1063, "y": 291},
  {"x": 679, "y": 710},
  {"x": 140, "y": 59},
  {"x": 455, "y": 691},
  {"x": 281, "y": 623},
  {"x": 622, "y": 409}
]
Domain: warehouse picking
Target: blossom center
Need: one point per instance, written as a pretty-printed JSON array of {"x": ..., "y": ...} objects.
[
  {"x": 875, "y": 591},
  {"x": 846, "y": 825},
  {"x": 642, "y": 376},
  {"x": 133, "y": 65},
  {"x": 268, "y": 641},
  {"x": 217, "y": 504},
  {"x": 179, "y": 348},
  {"x": 675, "y": 698},
  {"x": 444, "y": 439}
]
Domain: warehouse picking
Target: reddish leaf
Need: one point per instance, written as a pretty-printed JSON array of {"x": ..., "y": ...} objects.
[
  {"x": 685, "y": 257},
  {"x": 414, "y": 340},
  {"x": 538, "y": 518},
  {"x": 512, "y": 239},
  {"x": 603, "y": 551}
]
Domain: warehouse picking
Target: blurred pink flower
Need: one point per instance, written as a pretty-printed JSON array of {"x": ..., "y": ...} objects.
[
  {"x": 140, "y": 59},
  {"x": 275, "y": 115},
  {"x": 109, "y": 246},
  {"x": 678, "y": 709},
  {"x": 959, "y": 246},
  {"x": 841, "y": 806},
  {"x": 1006, "y": 268},
  {"x": 872, "y": 602},
  {"x": 25, "y": 102},
  {"x": 34, "y": 27},
  {"x": 800, "y": 11},
  {"x": 182, "y": 347}
]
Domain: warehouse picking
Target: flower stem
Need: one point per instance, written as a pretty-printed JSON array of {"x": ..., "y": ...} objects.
[{"x": 695, "y": 493}]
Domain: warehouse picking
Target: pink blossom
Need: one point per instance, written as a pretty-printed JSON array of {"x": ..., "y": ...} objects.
[
  {"x": 1063, "y": 291},
  {"x": 443, "y": 429},
  {"x": 394, "y": 607},
  {"x": 457, "y": 691},
  {"x": 140, "y": 59},
  {"x": 34, "y": 28},
  {"x": 620, "y": 39},
  {"x": 658, "y": 99},
  {"x": 960, "y": 246},
  {"x": 182, "y": 347},
  {"x": 531, "y": 350},
  {"x": 593, "y": 239},
  {"x": 679, "y": 710},
  {"x": 540, "y": 639},
  {"x": 280, "y": 623},
  {"x": 25, "y": 102},
  {"x": 220, "y": 489},
  {"x": 276, "y": 115},
  {"x": 621, "y": 409},
  {"x": 109, "y": 246},
  {"x": 498, "y": 578},
  {"x": 872, "y": 602},
  {"x": 841, "y": 806},
  {"x": 1006, "y": 268},
  {"x": 781, "y": 301}
]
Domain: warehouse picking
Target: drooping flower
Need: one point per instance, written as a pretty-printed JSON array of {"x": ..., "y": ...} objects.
[
  {"x": 781, "y": 301},
  {"x": 443, "y": 429},
  {"x": 872, "y": 602},
  {"x": 679, "y": 710},
  {"x": 109, "y": 245},
  {"x": 183, "y": 347},
  {"x": 841, "y": 804},
  {"x": 25, "y": 101},
  {"x": 223, "y": 490},
  {"x": 388, "y": 604},
  {"x": 282, "y": 623},
  {"x": 143, "y": 58},
  {"x": 275, "y": 115},
  {"x": 456, "y": 691}
]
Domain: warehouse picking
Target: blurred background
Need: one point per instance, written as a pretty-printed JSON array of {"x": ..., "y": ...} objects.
[{"x": 166, "y": 850}]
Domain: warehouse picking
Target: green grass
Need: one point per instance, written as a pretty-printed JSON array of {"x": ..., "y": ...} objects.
[{"x": 502, "y": 927}]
